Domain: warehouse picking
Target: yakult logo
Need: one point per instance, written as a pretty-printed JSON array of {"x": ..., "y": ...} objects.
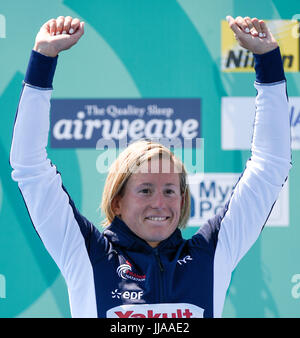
[{"x": 173, "y": 310}]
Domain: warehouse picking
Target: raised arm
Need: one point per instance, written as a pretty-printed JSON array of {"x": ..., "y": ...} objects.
[
  {"x": 62, "y": 229},
  {"x": 232, "y": 232},
  {"x": 266, "y": 171}
]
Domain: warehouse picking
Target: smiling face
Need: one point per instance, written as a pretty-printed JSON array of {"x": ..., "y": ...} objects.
[{"x": 151, "y": 205}]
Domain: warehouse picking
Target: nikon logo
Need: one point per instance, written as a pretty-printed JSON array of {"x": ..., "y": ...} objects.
[
  {"x": 238, "y": 59},
  {"x": 244, "y": 59},
  {"x": 2, "y": 27}
]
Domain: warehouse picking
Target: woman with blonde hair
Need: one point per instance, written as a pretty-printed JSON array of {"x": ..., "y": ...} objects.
[
  {"x": 141, "y": 156},
  {"x": 140, "y": 266}
]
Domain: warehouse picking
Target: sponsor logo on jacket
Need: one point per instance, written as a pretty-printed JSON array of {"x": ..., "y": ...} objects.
[
  {"x": 184, "y": 260},
  {"x": 168, "y": 310},
  {"x": 125, "y": 271},
  {"x": 127, "y": 295}
]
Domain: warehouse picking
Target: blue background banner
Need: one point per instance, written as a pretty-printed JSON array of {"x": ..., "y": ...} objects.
[{"x": 80, "y": 123}]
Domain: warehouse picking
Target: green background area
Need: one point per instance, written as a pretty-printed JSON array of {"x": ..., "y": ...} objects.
[{"x": 136, "y": 49}]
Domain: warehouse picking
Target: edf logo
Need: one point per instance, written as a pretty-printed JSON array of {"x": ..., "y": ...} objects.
[
  {"x": 132, "y": 295},
  {"x": 2, "y": 27}
]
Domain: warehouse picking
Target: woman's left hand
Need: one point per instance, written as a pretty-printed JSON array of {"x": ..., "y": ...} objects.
[{"x": 252, "y": 34}]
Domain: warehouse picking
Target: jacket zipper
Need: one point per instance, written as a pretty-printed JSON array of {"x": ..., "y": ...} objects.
[{"x": 161, "y": 271}]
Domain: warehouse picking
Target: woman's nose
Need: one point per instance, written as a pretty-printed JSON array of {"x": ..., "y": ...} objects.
[{"x": 158, "y": 201}]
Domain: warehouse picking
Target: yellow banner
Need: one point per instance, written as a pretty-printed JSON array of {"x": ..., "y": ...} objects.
[{"x": 234, "y": 58}]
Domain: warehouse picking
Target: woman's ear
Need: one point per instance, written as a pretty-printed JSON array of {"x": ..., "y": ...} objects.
[{"x": 115, "y": 205}]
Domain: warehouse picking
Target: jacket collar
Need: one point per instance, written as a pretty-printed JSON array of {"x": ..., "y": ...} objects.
[{"x": 119, "y": 234}]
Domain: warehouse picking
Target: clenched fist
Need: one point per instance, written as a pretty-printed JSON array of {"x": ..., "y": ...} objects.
[
  {"x": 252, "y": 34},
  {"x": 57, "y": 35}
]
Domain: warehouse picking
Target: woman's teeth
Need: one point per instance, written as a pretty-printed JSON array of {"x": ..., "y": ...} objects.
[{"x": 155, "y": 218}]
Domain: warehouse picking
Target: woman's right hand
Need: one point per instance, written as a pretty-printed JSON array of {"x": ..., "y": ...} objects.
[{"x": 57, "y": 35}]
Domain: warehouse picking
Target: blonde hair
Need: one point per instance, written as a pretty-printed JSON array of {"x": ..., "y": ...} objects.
[{"x": 128, "y": 162}]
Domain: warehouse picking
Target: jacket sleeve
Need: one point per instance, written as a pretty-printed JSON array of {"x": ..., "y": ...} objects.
[
  {"x": 232, "y": 232},
  {"x": 62, "y": 229}
]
